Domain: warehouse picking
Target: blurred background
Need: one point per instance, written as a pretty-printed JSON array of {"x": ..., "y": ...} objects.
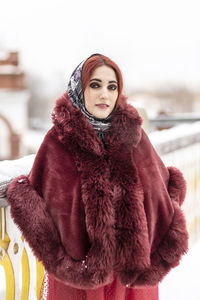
[{"x": 156, "y": 44}]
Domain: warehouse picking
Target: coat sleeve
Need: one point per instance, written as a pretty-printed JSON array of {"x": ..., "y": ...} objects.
[
  {"x": 32, "y": 198},
  {"x": 164, "y": 192}
]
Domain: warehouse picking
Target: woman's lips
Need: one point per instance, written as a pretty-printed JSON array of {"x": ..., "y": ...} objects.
[{"x": 102, "y": 105}]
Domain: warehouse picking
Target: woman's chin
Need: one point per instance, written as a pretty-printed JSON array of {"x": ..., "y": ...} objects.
[{"x": 101, "y": 114}]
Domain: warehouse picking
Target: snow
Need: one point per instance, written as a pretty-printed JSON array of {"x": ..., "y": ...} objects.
[
  {"x": 180, "y": 131},
  {"x": 10, "y": 169},
  {"x": 182, "y": 283},
  {"x": 13, "y": 168}
]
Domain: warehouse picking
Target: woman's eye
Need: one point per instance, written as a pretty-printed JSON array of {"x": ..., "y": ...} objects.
[
  {"x": 112, "y": 87},
  {"x": 94, "y": 85}
]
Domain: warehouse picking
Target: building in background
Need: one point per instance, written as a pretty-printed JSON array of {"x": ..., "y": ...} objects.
[{"x": 14, "y": 97}]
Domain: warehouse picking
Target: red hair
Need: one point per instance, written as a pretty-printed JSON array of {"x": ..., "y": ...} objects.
[{"x": 98, "y": 60}]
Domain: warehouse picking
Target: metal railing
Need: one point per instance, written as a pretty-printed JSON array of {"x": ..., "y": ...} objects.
[{"x": 21, "y": 275}]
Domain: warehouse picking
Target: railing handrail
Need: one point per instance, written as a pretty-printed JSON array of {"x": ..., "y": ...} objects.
[{"x": 175, "y": 138}]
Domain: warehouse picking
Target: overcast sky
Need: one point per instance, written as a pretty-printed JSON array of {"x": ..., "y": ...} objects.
[{"x": 154, "y": 42}]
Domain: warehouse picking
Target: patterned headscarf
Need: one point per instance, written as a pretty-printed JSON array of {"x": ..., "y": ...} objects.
[{"x": 76, "y": 95}]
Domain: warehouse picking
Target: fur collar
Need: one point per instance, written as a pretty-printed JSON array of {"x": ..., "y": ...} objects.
[{"x": 73, "y": 127}]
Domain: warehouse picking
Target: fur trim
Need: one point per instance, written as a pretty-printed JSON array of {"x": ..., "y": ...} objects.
[
  {"x": 38, "y": 228},
  {"x": 168, "y": 253},
  {"x": 177, "y": 185},
  {"x": 132, "y": 241},
  {"x": 126, "y": 123}
]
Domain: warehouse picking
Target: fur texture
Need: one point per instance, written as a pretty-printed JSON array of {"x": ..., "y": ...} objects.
[
  {"x": 91, "y": 212},
  {"x": 177, "y": 185}
]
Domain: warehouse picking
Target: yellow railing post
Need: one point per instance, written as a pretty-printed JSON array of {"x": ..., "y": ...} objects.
[
  {"x": 5, "y": 260},
  {"x": 23, "y": 273}
]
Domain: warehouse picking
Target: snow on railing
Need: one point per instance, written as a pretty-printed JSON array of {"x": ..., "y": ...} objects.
[
  {"x": 21, "y": 274},
  {"x": 180, "y": 147}
]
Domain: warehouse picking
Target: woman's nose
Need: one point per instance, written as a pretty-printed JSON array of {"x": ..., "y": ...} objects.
[{"x": 104, "y": 94}]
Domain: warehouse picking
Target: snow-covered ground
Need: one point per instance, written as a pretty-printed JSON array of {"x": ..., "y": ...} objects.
[{"x": 183, "y": 282}]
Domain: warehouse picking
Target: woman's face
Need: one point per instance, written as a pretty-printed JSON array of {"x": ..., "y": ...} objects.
[{"x": 101, "y": 92}]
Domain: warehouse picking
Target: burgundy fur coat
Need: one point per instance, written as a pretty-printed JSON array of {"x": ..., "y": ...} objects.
[{"x": 92, "y": 212}]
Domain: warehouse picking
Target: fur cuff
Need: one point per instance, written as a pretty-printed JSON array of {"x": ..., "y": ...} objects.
[
  {"x": 176, "y": 185},
  {"x": 29, "y": 212},
  {"x": 169, "y": 252}
]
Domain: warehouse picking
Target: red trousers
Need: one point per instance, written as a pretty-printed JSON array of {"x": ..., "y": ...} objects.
[{"x": 113, "y": 291}]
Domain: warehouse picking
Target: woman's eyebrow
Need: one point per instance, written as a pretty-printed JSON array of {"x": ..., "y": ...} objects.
[
  {"x": 113, "y": 81},
  {"x": 96, "y": 79}
]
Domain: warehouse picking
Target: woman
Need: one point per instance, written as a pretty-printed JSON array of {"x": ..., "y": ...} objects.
[{"x": 99, "y": 208}]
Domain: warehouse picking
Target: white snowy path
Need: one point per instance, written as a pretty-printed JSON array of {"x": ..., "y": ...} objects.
[{"x": 183, "y": 282}]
